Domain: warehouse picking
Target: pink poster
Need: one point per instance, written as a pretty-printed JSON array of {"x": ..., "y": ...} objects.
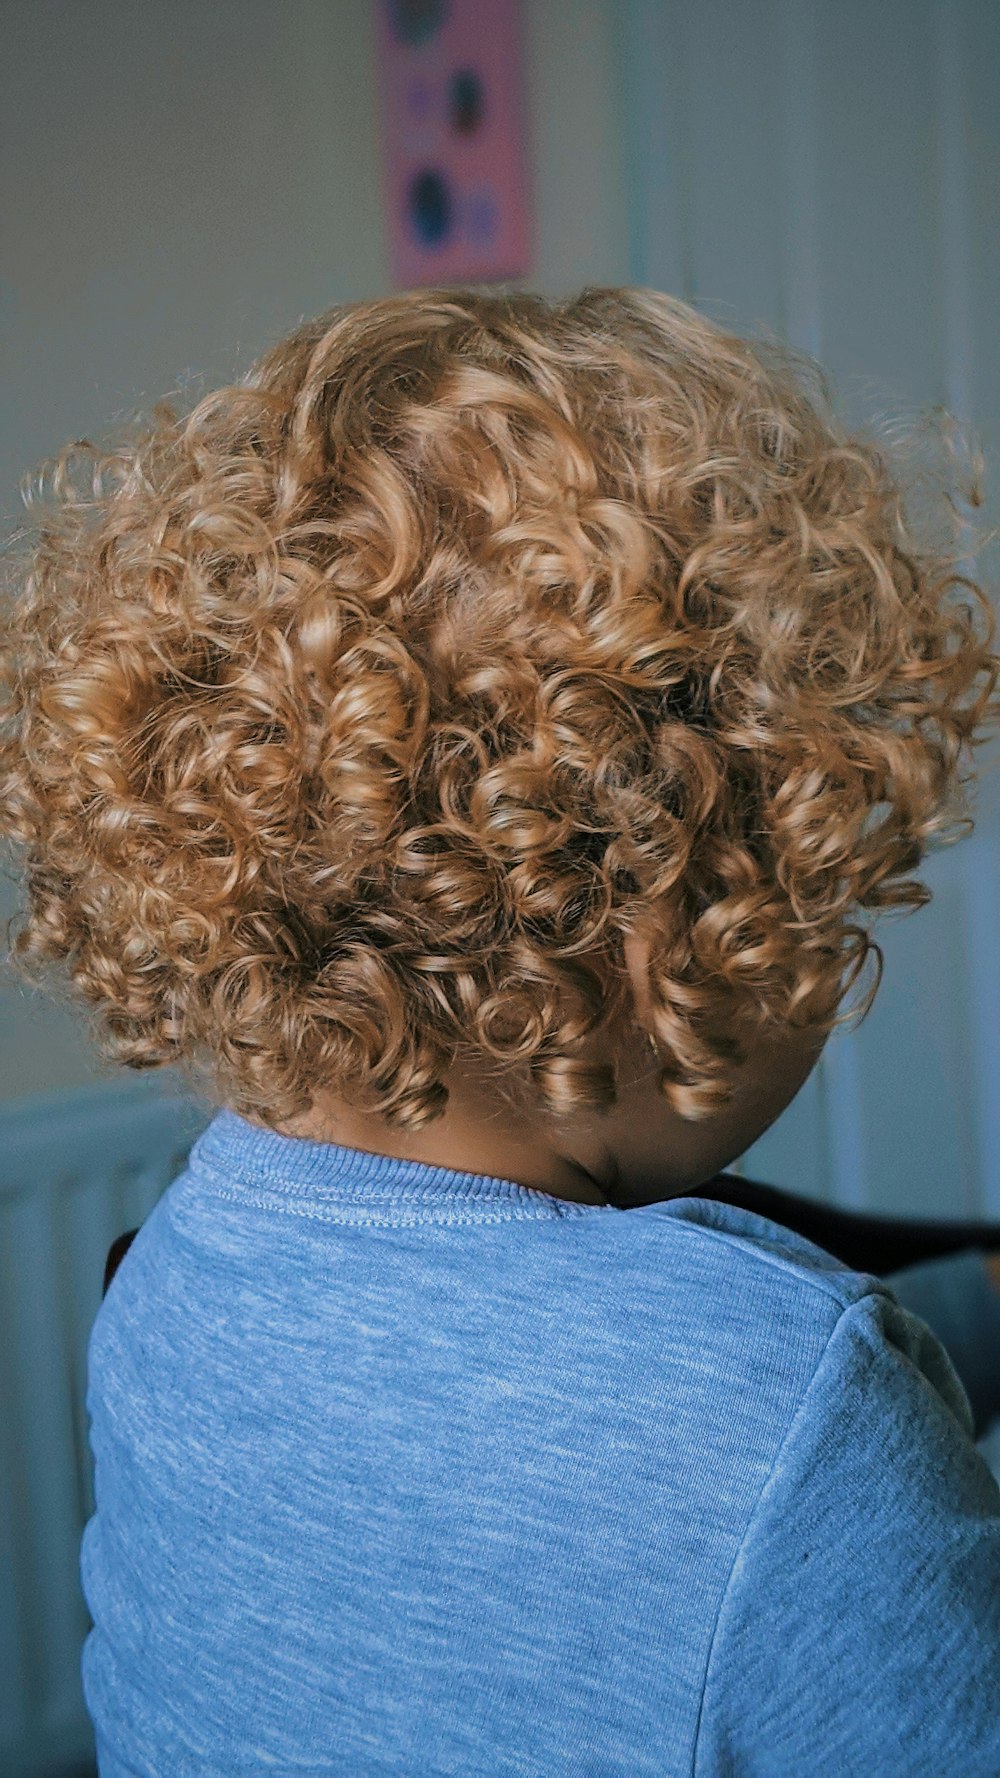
[{"x": 453, "y": 128}]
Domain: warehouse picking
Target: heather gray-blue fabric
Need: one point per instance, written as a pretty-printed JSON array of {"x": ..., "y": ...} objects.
[{"x": 404, "y": 1470}]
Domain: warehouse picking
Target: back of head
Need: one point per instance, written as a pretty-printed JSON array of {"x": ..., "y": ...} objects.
[{"x": 353, "y": 720}]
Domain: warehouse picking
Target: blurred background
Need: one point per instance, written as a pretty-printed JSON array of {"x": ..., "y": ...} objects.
[{"x": 182, "y": 182}]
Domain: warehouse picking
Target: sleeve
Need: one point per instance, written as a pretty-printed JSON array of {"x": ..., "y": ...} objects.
[
  {"x": 955, "y": 1297},
  {"x": 860, "y": 1629}
]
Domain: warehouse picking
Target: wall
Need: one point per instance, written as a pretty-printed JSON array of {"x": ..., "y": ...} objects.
[{"x": 832, "y": 174}]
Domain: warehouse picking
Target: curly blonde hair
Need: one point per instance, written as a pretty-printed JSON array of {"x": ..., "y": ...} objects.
[{"x": 352, "y": 721}]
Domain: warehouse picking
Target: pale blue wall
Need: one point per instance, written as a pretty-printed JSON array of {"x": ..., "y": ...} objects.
[{"x": 832, "y": 173}]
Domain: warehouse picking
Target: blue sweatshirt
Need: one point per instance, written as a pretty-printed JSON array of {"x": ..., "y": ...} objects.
[{"x": 405, "y": 1470}]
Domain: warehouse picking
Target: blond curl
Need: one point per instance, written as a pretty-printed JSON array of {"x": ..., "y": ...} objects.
[{"x": 353, "y": 720}]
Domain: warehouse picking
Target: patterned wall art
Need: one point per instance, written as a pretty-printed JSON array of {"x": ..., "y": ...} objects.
[{"x": 454, "y": 135}]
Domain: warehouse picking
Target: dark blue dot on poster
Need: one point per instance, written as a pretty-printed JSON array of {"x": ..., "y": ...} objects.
[
  {"x": 429, "y": 206},
  {"x": 465, "y": 101},
  {"x": 415, "y": 20}
]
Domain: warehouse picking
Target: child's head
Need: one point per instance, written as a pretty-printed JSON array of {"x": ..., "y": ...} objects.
[{"x": 354, "y": 722}]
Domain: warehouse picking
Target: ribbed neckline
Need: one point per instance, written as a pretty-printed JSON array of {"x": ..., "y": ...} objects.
[{"x": 252, "y": 1159}]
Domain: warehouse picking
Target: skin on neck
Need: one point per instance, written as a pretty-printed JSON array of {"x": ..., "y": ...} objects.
[{"x": 640, "y": 1152}]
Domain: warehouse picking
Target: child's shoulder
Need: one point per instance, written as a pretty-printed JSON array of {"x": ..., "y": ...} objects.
[{"x": 741, "y": 1240}]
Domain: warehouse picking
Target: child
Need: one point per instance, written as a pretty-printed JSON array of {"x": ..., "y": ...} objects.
[{"x": 468, "y": 743}]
